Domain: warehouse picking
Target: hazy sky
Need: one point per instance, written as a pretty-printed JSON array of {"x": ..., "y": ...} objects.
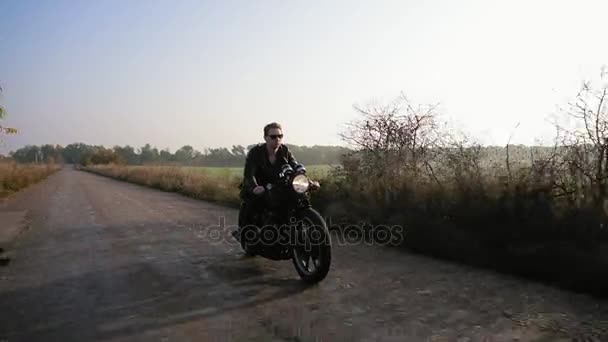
[{"x": 212, "y": 74}]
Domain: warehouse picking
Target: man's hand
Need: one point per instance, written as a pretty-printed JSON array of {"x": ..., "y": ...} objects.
[
  {"x": 314, "y": 185},
  {"x": 258, "y": 190}
]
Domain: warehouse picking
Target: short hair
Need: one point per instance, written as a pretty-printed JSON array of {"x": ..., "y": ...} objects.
[{"x": 270, "y": 126}]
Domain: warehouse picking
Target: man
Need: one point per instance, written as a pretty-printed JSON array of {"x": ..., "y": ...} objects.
[{"x": 262, "y": 166}]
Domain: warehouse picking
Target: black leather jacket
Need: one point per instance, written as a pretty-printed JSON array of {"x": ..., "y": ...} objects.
[{"x": 259, "y": 170}]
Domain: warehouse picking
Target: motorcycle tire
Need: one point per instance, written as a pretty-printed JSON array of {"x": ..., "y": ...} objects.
[{"x": 322, "y": 249}]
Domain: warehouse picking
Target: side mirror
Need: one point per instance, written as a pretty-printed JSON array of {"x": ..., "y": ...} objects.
[
  {"x": 299, "y": 168},
  {"x": 286, "y": 170}
]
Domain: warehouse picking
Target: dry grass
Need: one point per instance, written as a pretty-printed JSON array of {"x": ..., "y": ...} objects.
[
  {"x": 517, "y": 227},
  {"x": 196, "y": 183},
  {"x": 14, "y": 177}
]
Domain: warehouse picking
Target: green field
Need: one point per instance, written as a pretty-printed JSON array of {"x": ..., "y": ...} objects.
[{"x": 314, "y": 171}]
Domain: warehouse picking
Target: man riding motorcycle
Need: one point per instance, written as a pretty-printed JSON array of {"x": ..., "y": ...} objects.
[{"x": 262, "y": 167}]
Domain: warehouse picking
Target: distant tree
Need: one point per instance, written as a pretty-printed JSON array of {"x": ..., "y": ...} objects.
[
  {"x": 238, "y": 150},
  {"x": 51, "y": 153},
  {"x": 318, "y": 155},
  {"x": 28, "y": 154},
  {"x": 148, "y": 154},
  {"x": 103, "y": 156},
  {"x": 166, "y": 156},
  {"x": 219, "y": 157},
  {"x": 80, "y": 153},
  {"x": 127, "y": 154},
  {"x": 72, "y": 153},
  {"x": 186, "y": 154}
]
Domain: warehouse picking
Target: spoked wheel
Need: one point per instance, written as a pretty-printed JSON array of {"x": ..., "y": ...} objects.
[{"x": 312, "y": 256}]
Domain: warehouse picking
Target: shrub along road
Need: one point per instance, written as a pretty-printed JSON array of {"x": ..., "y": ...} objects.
[{"x": 107, "y": 260}]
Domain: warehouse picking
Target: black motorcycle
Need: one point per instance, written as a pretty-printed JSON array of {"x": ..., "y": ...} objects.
[{"x": 289, "y": 228}]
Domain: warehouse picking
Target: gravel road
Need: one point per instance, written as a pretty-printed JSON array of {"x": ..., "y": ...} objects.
[{"x": 107, "y": 260}]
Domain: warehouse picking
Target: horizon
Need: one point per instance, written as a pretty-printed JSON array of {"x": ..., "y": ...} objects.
[{"x": 213, "y": 74}]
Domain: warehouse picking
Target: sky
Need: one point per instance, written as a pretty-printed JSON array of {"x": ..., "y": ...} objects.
[{"x": 213, "y": 73}]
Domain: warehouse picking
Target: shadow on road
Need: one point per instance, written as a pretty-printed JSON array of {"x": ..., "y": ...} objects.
[{"x": 144, "y": 296}]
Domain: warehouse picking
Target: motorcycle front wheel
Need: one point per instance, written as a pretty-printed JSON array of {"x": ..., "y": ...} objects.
[{"x": 312, "y": 256}]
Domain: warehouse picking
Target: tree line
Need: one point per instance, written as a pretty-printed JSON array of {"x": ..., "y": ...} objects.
[{"x": 84, "y": 154}]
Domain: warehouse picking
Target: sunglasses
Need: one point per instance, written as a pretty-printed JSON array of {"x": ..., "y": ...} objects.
[{"x": 275, "y": 136}]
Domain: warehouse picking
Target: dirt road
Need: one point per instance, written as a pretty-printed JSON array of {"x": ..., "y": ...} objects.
[{"x": 106, "y": 260}]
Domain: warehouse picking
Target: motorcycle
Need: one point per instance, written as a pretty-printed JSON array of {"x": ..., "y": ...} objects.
[{"x": 288, "y": 227}]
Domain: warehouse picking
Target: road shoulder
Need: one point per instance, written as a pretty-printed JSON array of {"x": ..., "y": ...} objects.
[{"x": 12, "y": 223}]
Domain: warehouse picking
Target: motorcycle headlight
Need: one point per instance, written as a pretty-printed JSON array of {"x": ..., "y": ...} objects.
[{"x": 300, "y": 184}]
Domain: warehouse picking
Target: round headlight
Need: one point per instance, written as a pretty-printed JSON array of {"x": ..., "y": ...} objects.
[{"x": 300, "y": 184}]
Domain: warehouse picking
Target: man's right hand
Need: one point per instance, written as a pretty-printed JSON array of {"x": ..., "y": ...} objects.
[{"x": 258, "y": 190}]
